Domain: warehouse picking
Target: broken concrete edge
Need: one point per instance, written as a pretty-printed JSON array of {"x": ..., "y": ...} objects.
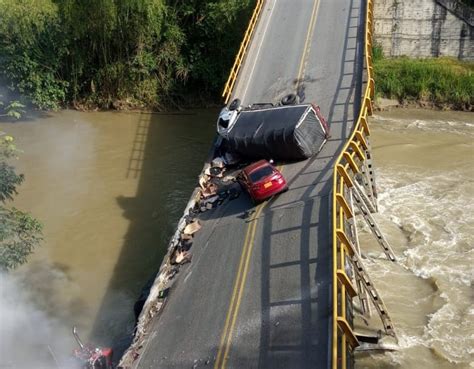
[{"x": 164, "y": 279}]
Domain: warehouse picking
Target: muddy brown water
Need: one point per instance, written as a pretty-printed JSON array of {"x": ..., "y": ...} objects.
[
  {"x": 110, "y": 187},
  {"x": 424, "y": 163}
]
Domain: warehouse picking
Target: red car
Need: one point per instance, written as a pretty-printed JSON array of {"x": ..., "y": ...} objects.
[{"x": 262, "y": 180}]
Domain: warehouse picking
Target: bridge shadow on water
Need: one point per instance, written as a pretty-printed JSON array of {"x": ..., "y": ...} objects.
[{"x": 167, "y": 156}]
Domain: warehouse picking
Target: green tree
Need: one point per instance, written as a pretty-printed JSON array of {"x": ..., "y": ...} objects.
[
  {"x": 19, "y": 232},
  {"x": 148, "y": 53},
  {"x": 12, "y": 109},
  {"x": 32, "y": 50}
]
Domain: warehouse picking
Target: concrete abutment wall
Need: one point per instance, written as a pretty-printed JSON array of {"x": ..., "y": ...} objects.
[{"x": 425, "y": 28}]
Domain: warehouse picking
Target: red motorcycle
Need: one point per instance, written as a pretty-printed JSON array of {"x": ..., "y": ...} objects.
[{"x": 90, "y": 357}]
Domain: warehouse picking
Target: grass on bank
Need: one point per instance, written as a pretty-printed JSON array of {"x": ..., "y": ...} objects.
[{"x": 444, "y": 82}]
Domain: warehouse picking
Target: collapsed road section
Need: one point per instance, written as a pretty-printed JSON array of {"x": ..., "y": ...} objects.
[
  {"x": 258, "y": 291},
  {"x": 285, "y": 132}
]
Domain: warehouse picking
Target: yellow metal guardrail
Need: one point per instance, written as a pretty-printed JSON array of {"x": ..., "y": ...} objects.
[
  {"x": 242, "y": 51},
  {"x": 347, "y": 165}
]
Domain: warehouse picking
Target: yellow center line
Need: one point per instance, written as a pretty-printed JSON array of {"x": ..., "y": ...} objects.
[
  {"x": 247, "y": 260},
  {"x": 239, "y": 286},
  {"x": 307, "y": 45},
  {"x": 234, "y": 293}
]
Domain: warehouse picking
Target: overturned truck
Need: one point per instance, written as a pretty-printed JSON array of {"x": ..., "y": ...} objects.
[{"x": 293, "y": 132}]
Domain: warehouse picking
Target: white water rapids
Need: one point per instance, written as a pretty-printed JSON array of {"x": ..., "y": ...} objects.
[{"x": 424, "y": 163}]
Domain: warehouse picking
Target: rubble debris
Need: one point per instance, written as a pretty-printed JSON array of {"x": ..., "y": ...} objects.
[
  {"x": 209, "y": 190},
  {"x": 218, "y": 162},
  {"x": 229, "y": 178},
  {"x": 209, "y": 202},
  {"x": 171, "y": 272},
  {"x": 163, "y": 293},
  {"x": 192, "y": 227},
  {"x": 194, "y": 210},
  {"x": 203, "y": 179},
  {"x": 186, "y": 237},
  {"x": 183, "y": 257},
  {"x": 216, "y": 171},
  {"x": 215, "y": 187}
]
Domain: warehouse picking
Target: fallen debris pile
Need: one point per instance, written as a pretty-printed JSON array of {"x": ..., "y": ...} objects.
[{"x": 215, "y": 187}]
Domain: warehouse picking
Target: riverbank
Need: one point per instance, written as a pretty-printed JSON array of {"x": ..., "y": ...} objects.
[
  {"x": 441, "y": 83},
  {"x": 192, "y": 101},
  {"x": 382, "y": 104},
  {"x": 158, "y": 55}
]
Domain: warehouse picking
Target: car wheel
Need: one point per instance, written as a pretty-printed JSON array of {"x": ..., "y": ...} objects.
[
  {"x": 289, "y": 99},
  {"x": 234, "y": 105}
]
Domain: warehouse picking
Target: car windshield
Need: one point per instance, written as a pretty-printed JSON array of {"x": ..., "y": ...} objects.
[{"x": 261, "y": 173}]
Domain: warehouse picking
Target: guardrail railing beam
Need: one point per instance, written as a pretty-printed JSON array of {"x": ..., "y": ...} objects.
[
  {"x": 234, "y": 72},
  {"x": 357, "y": 148}
]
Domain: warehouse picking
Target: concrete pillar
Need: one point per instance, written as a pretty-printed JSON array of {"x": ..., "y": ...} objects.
[{"x": 424, "y": 28}]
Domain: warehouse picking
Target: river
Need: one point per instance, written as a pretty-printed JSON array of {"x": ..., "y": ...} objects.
[
  {"x": 109, "y": 188},
  {"x": 424, "y": 163}
]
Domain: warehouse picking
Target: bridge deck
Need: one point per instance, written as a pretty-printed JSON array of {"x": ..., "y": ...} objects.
[{"x": 258, "y": 291}]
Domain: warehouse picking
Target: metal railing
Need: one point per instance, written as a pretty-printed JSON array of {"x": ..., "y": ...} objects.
[
  {"x": 242, "y": 51},
  {"x": 347, "y": 165}
]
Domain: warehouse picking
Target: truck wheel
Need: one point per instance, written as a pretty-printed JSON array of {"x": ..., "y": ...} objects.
[
  {"x": 289, "y": 99},
  {"x": 234, "y": 104}
]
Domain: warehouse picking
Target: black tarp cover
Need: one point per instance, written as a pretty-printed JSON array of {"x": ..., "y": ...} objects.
[{"x": 283, "y": 133}]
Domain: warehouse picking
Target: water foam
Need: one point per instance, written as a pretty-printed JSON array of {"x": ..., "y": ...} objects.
[
  {"x": 459, "y": 127},
  {"x": 435, "y": 212}
]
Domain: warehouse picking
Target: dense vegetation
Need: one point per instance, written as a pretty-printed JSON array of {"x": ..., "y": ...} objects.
[
  {"x": 114, "y": 53},
  {"x": 444, "y": 82},
  {"x": 19, "y": 232}
]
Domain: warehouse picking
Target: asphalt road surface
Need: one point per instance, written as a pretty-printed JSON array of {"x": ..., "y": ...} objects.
[{"x": 258, "y": 291}]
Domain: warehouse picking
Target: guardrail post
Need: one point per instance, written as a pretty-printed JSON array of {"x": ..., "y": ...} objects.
[
  {"x": 371, "y": 175},
  {"x": 362, "y": 292}
]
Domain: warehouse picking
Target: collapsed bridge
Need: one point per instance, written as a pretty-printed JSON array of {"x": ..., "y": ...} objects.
[{"x": 275, "y": 286}]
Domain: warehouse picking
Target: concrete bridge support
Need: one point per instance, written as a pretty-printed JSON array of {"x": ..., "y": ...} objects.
[{"x": 425, "y": 28}]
